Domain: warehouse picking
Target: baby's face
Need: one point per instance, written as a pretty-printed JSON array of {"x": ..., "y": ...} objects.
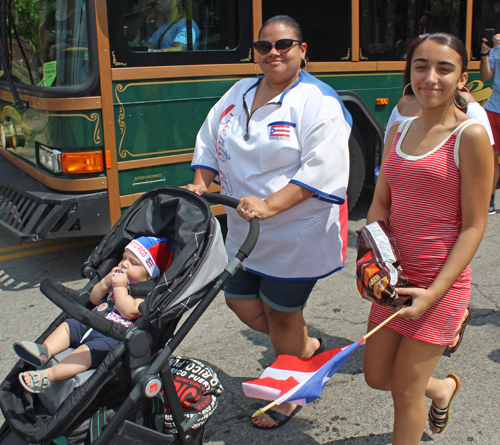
[{"x": 134, "y": 269}]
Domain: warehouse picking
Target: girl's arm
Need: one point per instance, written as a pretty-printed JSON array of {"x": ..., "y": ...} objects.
[{"x": 476, "y": 177}]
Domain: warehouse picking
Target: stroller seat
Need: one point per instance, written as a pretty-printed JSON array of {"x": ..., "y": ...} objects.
[
  {"x": 59, "y": 391},
  {"x": 135, "y": 376}
]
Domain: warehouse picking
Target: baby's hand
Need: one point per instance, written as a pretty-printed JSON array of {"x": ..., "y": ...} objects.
[
  {"x": 108, "y": 279},
  {"x": 118, "y": 279}
]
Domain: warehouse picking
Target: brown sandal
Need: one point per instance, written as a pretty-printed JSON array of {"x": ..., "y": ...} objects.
[
  {"x": 434, "y": 411},
  {"x": 460, "y": 332}
]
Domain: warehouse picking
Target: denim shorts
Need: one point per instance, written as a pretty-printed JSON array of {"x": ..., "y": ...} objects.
[
  {"x": 99, "y": 344},
  {"x": 281, "y": 295}
]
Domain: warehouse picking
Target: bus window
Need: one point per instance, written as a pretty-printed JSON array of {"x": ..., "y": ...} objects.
[
  {"x": 149, "y": 29},
  {"x": 326, "y": 28},
  {"x": 165, "y": 25},
  {"x": 47, "y": 42},
  {"x": 388, "y": 26}
]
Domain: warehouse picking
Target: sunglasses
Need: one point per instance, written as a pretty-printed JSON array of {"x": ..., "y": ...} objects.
[{"x": 263, "y": 47}]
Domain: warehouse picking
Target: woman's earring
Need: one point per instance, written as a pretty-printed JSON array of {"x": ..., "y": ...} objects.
[
  {"x": 404, "y": 95},
  {"x": 256, "y": 73}
]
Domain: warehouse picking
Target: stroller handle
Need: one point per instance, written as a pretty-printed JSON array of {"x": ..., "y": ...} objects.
[
  {"x": 253, "y": 234},
  {"x": 66, "y": 299}
]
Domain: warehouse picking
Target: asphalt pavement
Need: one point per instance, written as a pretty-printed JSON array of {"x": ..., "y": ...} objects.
[{"x": 348, "y": 411}]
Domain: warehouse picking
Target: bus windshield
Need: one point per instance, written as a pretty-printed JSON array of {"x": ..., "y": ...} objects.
[{"x": 45, "y": 42}]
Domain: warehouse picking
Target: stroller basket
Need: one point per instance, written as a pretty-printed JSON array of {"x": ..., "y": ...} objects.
[{"x": 137, "y": 369}]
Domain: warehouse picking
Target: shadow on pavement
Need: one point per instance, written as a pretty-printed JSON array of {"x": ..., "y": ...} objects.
[
  {"x": 483, "y": 317},
  {"x": 494, "y": 356},
  {"x": 372, "y": 439},
  {"x": 62, "y": 266}
]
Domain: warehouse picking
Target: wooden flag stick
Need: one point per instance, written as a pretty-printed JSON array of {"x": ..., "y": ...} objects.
[
  {"x": 383, "y": 323},
  {"x": 264, "y": 409}
]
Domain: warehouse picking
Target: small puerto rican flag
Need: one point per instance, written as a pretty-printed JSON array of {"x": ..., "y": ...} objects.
[
  {"x": 280, "y": 130},
  {"x": 298, "y": 380}
]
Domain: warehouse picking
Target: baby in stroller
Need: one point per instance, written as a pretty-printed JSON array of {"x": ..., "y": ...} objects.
[{"x": 144, "y": 258}]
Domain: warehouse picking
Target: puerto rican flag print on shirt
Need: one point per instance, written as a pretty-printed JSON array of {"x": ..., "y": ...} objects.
[{"x": 280, "y": 130}]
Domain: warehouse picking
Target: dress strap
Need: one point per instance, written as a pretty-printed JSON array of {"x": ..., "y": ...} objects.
[
  {"x": 404, "y": 125},
  {"x": 458, "y": 131}
]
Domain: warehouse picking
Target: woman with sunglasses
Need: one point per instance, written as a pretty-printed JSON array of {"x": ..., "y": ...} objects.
[{"x": 279, "y": 143}]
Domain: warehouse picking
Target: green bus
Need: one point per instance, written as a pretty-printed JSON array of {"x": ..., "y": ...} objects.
[{"x": 101, "y": 101}]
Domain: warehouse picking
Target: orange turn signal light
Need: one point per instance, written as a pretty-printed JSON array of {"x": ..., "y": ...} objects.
[
  {"x": 381, "y": 101},
  {"x": 108, "y": 158},
  {"x": 82, "y": 162}
]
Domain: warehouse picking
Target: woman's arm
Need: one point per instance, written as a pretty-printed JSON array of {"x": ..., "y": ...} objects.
[
  {"x": 202, "y": 180},
  {"x": 476, "y": 176},
  {"x": 284, "y": 199}
]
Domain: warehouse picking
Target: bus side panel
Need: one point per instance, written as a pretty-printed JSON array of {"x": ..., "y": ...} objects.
[{"x": 160, "y": 119}]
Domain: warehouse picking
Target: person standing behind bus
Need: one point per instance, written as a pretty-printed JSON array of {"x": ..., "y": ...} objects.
[
  {"x": 490, "y": 63},
  {"x": 432, "y": 193},
  {"x": 281, "y": 142}
]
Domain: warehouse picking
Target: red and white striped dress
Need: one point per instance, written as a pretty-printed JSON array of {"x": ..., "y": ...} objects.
[{"x": 426, "y": 219}]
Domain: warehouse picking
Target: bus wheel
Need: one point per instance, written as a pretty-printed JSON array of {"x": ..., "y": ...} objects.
[{"x": 357, "y": 172}]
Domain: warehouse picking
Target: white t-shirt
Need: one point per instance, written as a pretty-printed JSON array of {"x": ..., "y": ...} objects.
[
  {"x": 301, "y": 137},
  {"x": 474, "y": 111}
]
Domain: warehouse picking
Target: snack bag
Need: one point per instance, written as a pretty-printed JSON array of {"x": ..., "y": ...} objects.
[{"x": 378, "y": 266}]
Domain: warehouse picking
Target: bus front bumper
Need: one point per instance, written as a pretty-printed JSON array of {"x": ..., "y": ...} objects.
[{"x": 32, "y": 212}]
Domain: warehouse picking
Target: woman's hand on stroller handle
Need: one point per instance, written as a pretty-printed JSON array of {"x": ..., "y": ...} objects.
[{"x": 199, "y": 189}]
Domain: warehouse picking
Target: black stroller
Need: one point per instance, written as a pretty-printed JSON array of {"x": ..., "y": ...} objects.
[{"x": 123, "y": 401}]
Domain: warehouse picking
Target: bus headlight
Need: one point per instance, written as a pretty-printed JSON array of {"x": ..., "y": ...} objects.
[{"x": 50, "y": 159}]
